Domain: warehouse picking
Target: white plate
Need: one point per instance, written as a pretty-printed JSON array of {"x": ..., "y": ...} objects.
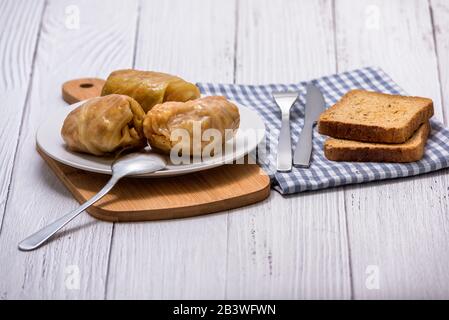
[{"x": 49, "y": 140}]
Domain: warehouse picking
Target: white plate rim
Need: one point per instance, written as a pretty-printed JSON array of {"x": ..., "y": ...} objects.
[{"x": 183, "y": 169}]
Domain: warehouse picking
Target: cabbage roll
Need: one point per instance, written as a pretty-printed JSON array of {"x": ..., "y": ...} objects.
[
  {"x": 149, "y": 88},
  {"x": 214, "y": 112},
  {"x": 105, "y": 125}
]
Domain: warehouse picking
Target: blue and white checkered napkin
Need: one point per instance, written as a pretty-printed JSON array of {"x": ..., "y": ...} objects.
[{"x": 323, "y": 173}]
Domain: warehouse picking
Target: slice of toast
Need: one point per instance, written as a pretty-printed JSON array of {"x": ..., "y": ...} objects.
[
  {"x": 375, "y": 117},
  {"x": 349, "y": 150}
]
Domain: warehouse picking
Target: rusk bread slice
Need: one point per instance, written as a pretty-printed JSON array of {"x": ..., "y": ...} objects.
[
  {"x": 349, "y": 150},
  {"x": 375, "y": 117}
]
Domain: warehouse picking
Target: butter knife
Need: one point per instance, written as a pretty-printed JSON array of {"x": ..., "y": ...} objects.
[{"x": 315, "y": 105}]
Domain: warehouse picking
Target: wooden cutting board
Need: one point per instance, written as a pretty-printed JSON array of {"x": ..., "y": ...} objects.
[{"x": 138, "y": 199}]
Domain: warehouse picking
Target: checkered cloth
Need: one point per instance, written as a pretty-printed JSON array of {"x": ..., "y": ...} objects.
[{"x": 323, "y": 173}]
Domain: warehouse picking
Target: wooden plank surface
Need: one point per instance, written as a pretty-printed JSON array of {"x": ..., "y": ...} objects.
[
  {"x": 20, "y": 24},
  {"x": 296, "y": 246},
  {"x": 75, "y": 264},
  {"x": 183, "y": 258},
  {"x": 397, "y": 229}
]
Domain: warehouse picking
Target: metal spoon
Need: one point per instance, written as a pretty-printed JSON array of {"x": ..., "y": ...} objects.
[{"x": 130, "y": 164}]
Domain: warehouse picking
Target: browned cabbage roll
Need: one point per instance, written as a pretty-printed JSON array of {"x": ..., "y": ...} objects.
[
  {"x": 104, "y": 125},
  {"x": 149, "y": 88},
  {"x": 214, "y": 112}
]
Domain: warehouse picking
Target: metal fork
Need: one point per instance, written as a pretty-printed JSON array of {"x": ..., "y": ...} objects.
[{"x": 285, "y": 101}]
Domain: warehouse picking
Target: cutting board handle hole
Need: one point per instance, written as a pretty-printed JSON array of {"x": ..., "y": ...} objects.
[{"x": 81, "y": 89}]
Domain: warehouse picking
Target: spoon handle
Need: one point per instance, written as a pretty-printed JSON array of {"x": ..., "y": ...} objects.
[{"x": 37, "y": 239}]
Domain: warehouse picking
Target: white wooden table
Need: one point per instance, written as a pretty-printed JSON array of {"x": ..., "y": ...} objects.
[{"x": 378, "y": 240}]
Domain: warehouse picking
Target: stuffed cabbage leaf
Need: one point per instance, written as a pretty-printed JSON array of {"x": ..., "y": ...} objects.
[
  {"x": 105, "y": 125},
  {"x": 213, "y": 112},
  {"x": 149, "y": 88}
]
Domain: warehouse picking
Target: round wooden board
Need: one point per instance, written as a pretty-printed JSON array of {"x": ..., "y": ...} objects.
[{"x": 139, "y": 199}]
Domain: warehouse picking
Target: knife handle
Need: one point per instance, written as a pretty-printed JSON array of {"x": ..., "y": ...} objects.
[
  {"x": 303, "y": 149},
  {"x": 284, "y": 156}
]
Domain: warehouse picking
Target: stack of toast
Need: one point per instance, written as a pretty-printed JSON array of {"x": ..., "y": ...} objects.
[{"x": 376, "y": 127}]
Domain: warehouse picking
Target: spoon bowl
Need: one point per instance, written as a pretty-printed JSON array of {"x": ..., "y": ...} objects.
[{"x": 137, "y": 163}]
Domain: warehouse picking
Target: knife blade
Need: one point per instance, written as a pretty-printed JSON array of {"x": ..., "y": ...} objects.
[{"x": 315, "y": 105}]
